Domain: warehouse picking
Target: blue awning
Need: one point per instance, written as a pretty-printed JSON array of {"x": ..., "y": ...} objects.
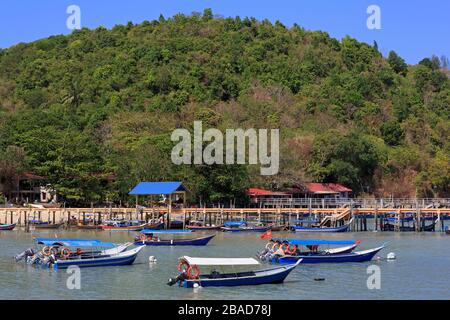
[
  {"x": 149, "y": 188},
  {"x": 149, "y": 231},
  {"x": 394, "y": 219},
  {"x": 234, "y": 223},
  {"x": 73, "y": 242},
  {"x": 313, "y": 242}
]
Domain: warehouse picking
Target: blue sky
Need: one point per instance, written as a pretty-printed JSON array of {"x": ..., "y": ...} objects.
[{"x": 415, "y": 29}]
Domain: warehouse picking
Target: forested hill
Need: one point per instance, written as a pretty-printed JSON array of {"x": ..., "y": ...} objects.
[{"x": 78, "y": 109}]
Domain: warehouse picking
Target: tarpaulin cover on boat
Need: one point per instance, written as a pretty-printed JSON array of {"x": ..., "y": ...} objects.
[
  {"x": 148, "y": 231},
  {"x": 313, "y": 242},
  {"x": 234, "y": 223},
  {"x": 73, "y": 242},
  {"x": 394, "y": 219},
  {"x": 220, "y": 261}
]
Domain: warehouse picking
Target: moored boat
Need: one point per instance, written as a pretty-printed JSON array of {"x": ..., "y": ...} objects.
[
  {"x": 242, "y": 226},
  {"x": 200, "y": 226},
  {"x": 276, "y": 228},
  {"x": 7, "y": 227},
  {"x": 148, "y": 238},
  {"x": 123, "y": 225},
  {"x": 312, "y": 228},
  {"x": 306, "y": 247},
  {"x": 37, "y": 224},
  {"x": 89, "y": 226},
  {"x": 62, "y": 253},
  {"x": 190, "y": 274},
  {"x": 356, "y": 256},
  {"x": 394, "y": 227}
]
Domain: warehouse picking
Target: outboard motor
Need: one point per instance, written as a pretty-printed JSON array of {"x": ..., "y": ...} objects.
[
  {"x": 49, "y": 261},
  {"x": 36, "y": 258},
  {"x": 27, "y": 253},
  {"x": 180, "y": 278}
]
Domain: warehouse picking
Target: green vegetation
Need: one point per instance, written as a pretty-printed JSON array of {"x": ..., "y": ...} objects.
[{"x": 99, "y": 103}]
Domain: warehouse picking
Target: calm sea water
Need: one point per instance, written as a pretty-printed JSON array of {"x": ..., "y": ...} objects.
[{"x": 421, "y": 271}]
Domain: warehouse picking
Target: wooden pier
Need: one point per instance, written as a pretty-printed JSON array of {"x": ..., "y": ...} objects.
[{"x": 287, "y": 216}]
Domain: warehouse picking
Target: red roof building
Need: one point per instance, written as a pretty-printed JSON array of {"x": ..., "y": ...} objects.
[
  {"x": 321, "y": 190},
  {"x": 328, "y": 188},
  {"x": 258, "y": 195}
]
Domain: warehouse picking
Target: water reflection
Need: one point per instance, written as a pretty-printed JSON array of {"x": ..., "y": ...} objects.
[{"x": 420, "y": 271}]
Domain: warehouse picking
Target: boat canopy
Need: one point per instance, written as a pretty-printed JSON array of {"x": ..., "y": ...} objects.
[
  {"x": 314, "y": 242},
  {"x": 73, "y": 242},
  {"x": 151, "y": 231},
  {"x": 234, "y": 223},
  {"x": 220, "y": 261},
  {"x": 406, "y": 219}
]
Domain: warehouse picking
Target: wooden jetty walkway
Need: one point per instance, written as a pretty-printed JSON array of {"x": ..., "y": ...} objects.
[{"x": 284, "y": 215}]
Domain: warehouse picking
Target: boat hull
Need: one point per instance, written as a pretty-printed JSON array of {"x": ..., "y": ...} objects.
[
  {"x": 7, "y": 227},
  {"x": 270, "y": 276},
  {"x": 121, "y": 259},
  {"x": 89, "y": 227},
  {"x": 177, "y": 242},
  {"x": 255, "y": 229},
  {"x": 203, "y": 228},
  {"x": 278, "y": 228},
  {"x": 360, "y": 256},
  {"x": 343, "y": 228},
  {"x": 392, "y": 227},
  {"x": 128, "y": 228},
  {"x": 47, "y": 226}
]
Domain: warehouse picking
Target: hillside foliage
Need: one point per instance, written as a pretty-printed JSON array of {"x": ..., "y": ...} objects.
[{"x": 98, "y": 103}]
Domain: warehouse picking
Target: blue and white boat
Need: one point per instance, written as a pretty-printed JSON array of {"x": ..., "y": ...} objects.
[
  {"x": 307, "y": 247},
  {"x": 242, "y": 226},
  {"x": 190, "y": 274},
  {"x": 62, "y": 253},
  {"x": 357, "y": 256},
  {"x": 7, "y": 226},
  {"x": 343, "y": 228},
  {"x": 148, "y": 238}
]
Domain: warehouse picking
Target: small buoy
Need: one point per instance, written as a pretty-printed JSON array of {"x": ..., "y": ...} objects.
[
  {"x": 151, "y": 259},
  {"x": 196, "y": 285},
  {"x": 391, "y": 256}
]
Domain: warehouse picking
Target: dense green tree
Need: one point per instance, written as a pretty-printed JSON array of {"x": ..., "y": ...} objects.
[
  {"x": 93, "y": 111},
  {"x": 392, "y": 133},
  {"x": 397, "y": 63}
]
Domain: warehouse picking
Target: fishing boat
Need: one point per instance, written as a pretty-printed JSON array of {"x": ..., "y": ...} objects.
[
  {"x": 190, "y": 274},
  {"x": 401, "y": 220},
  {"x": 62, "y": 253},
  {"x": 275, "y": 227},
  {"x": 201, "y": 226},
  {"x": 306, "y": 247},
  {"x": 403, "y": 228},
  {"x": 38, "y": 224},
  {"x": 242, "y": 226},
  {"x": 122, "y": 225},
  {"x": 89, "y": 226},
  {"x": 7, "y": 227},
  {"x": 316, "y": 228},
  {"x": 176, "y": 224},
  {"x": 148, "y": 238},
  {"x": 356, "y": 256}
]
